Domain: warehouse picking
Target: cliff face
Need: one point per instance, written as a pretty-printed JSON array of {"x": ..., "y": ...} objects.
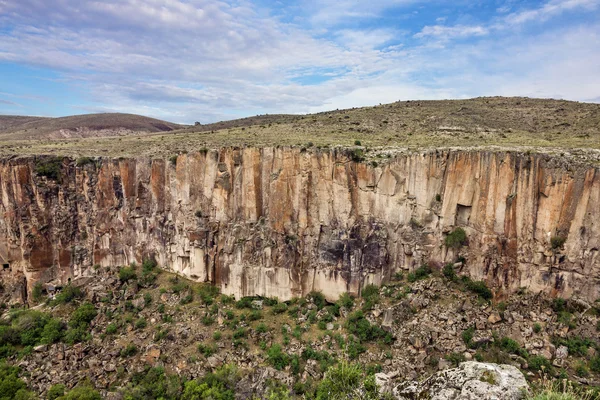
[{"x": 281, "y": 222}]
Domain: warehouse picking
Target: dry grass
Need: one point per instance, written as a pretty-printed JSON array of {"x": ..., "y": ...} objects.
[{"x": 536, "y": 124}]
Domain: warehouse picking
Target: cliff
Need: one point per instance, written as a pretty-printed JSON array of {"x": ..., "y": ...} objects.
[{"x": 283, "y": 221}]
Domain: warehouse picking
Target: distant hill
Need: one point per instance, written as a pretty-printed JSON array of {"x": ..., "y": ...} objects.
[
  {"x": 80, "y": 126},
  {"x": 484, "y": 122}
]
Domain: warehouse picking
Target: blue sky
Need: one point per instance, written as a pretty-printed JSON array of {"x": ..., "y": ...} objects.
[{"x": 201, "y": 60}]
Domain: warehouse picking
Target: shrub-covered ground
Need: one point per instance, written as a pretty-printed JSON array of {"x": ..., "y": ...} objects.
[{"x": 136, "y": 333}]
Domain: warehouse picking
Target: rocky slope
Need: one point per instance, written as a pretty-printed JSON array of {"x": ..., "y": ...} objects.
[
  {"x": 400, "y": 333},
  {"x": 282, "y": 222}
]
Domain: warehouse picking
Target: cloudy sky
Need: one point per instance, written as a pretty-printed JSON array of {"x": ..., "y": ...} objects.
[{"x": 204, "y": 60}]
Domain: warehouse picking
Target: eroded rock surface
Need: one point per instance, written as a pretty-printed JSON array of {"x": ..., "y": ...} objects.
[
  {"x": 470, "y": 381},
  {"x": 283, "y": 222}
]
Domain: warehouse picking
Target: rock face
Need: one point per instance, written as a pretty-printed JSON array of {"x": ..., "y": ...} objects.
[
  {"x": 470, "y": 381},
  {"x": 283, "y": 222}
]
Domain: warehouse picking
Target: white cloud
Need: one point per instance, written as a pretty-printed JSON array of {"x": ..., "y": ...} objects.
[
  {"x": 451, "y": 32},
  {"x": 548, "y": 10},
  {"x": 210, "y": 60}
]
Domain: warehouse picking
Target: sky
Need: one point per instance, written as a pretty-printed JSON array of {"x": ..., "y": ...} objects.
[{"x": 206, "y": 61}]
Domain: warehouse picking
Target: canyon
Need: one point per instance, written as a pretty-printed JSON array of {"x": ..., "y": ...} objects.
[{"x": 285, "y": 221}]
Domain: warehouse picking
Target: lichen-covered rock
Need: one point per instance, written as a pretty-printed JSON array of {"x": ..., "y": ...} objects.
[{"x": 470, "y": 381}]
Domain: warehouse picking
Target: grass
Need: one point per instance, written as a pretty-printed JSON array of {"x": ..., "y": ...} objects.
[{"x": 495, "y": 121}]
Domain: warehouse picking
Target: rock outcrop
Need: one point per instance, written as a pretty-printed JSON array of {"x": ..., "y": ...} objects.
[
  {"x": 283, "y": 222},
  {"x": 470, "y": 381}
]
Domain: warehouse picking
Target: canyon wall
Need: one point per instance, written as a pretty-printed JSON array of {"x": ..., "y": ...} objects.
[{"x": 283, "y": 222}]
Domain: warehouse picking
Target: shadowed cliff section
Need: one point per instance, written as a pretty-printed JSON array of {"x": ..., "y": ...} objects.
[{"x": 285, "y": 221}]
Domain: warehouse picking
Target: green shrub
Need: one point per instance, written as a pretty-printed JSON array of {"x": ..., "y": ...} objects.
[
  {"x": 11, "y": 386},
  {"x": 449, "y": 272},
  {"x": 208, "y": 293},
  {"x": 280, "y": 308},
  {"x": 347, "y": 382},
  {"x": 467, "y": 336},
  {"x": 455, "y": 358},
  {"x": 595, "y": 364},
  {"x": 128, "y": 351},
  {"x": 153, "y": 383},
  {"x": 277, "y": 358},
  {"x": 53, "y": 331},
  {"x": 217, "y": 335},
  {"x": 207, "y": 350},
  {"x": 37, "y": 292},
  {"x": 559, "y": 304},
  {"x": 244, "y": 302},
  {"x": 255, "y": 315},
  {"x": 83, "y": 315},
  {"x": 111, "y": 329},
  {"x": 357, "y": 143},
  {"x": 557, "y": 242},
  {"x": 240, "y": 333},
  {"x": 219, "y": 385},
  {"x": 456, "y": 239},
  {"x": 420, "y": 273},
  {"x": 537, "y": 328},
  {"x": 261, "y": 328},
  {"x": 346, "y": 301},
  {"x": 127, "y": 274},
  {"x": 540, "y": 363},
  {"x": 357, "y": 155},
  {"x": 358, "y": 325},
  {"x": 82, "y": 161},
  {"x": 68, "y": 294},
  {"x": 49, "y": 167},
  {"x": 56, "y": 391},
  {"x": 478, "y": 287},
  {"x": 567, "y": 319},
  {"x": 141, "y": 323},
  {"x": 318, "y": 299},
  {"x": 187, "y": 299},
  {"x": 82, "y": 393},
  {"x": 577, "y": 345},
  {"x": 354, "y": 349}
]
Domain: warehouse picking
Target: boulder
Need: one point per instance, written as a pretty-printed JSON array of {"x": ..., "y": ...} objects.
[{"x": 470, "y": 381}]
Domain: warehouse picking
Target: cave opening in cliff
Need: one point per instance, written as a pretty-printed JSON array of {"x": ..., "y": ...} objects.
[{"x": 5, "y": 266}]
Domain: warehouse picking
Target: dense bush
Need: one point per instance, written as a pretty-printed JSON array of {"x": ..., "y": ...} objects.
[
  {"x": 49, "y": 167},
  {"x": 79, "y": 324},
  {"x": 81, "y": 393},
  {"x": 56, "y": 391},
  {"x": 208, "y": 293},
  {"x": 28, "y": 328},
  {"x": 11, "y": 387},
  {"x": 540, "y": 363},
  {"x": 557, "y": 242},
  {"x": 420, "y": 273},
  {"x": 347, "y": 382},
  {"x": 358, "y": 325},
  {"x": 127, "y": 274},
  {"x": 277, "y": 358},
  {"x": 478, "y": 287},
  {"x": 68, "y": 294},
  {"x": 456, "y": 239},
  {"x": 449, "y": 272},
  {"x": 82, "y": 161},
  {"x": 153, "y": 383},
  {"x": 346, "y": 301},
  {"x": 219, "y": 385}
]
